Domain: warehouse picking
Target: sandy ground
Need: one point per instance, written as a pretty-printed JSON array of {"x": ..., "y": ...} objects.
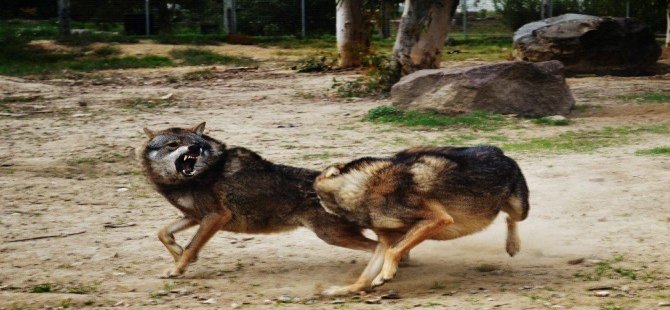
[{"x": 68, "y": 166}]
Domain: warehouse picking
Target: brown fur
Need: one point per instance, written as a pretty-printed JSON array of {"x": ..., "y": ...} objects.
[
  {"x": 423, "y": 193},
  {"x": 234, "y": 189}
]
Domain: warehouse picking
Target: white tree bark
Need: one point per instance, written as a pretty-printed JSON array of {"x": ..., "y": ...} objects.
[
  {"x": 422, "y": 33},
  {"x": 352, "y": 38}
]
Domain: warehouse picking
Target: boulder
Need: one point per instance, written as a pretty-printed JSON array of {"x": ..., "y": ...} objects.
[
  {"x": 590, "y": 44},
  {"x": 514, "y": 87}
]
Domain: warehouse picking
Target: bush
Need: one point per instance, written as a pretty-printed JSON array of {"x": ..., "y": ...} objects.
[{"x": 314, "y": 64}]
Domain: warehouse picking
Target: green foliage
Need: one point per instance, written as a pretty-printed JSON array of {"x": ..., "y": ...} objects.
[
  {"x": 41, "y": 288},
  {"x": 476, "y": 120},
  {"x": 195, "y": 56},
  {"x": 315, "y": 64},
  {"x": 657, "y": 151},
  {"x": 380, "y": 75}
]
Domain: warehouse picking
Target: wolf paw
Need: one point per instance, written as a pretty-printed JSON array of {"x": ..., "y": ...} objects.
[
  {"x": 512, "y": 248},
  {"x": 379, "y": 280},
  {"x": 338, "y": 291},
  {"x": 172, "y": 273}
]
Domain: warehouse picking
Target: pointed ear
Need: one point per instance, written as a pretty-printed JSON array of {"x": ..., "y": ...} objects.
[
  {"x": 199, "y": 129},
  {"x": 149, "y": 133}
]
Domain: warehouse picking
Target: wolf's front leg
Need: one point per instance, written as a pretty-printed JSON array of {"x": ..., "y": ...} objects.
[
  {"x": 166, "y": 236},
  {"x": 209, "y": 225}
]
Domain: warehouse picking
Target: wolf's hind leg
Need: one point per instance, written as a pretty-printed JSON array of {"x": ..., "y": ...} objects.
[
  {"x": 433, "y": 223},
  {"x": 166, "y": 236},
  {"x": 209, "y": 225},
  {"x": 513, "y": 244},
  {"x": 364, "y": 280},
  {"x": 514, "y": 209}
]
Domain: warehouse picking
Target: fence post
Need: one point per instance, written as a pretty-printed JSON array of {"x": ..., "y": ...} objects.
[
  {"x": 627, "y": 9},
  {"x": 303, "y": 29},
  {"x": 64, "y": 17},
  {"x": 147, "y": 25},
  {"x": 464, "y": 13}
]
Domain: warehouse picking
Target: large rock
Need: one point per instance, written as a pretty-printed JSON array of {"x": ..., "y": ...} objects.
[
  {"x": 589, "y": 44},
  {"x": 515, "y": 87}
]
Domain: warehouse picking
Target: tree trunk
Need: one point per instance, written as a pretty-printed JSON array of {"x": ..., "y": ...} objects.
[
  {"x": 352, "y": 36},
  {"x": 64, "y": 17},
  {"x": 164, "y": 17},
  {"x": 386, "y": 10},
  {"x": 422, "y": 33},
  {"x": 667, "y": 31}
]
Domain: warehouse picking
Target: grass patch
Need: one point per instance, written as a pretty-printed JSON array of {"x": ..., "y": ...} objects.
[
  {"x": 585, "y": 141},
  {"x": 197, "y": 56},
  {"x": 550, "y": 121},
  {"x": 107, "y": 51},
  {"x": 17, "y": 58},
  {"x": 657, "y": 151},
  {"x": 82, "y": 289},
  {"x": 41, "y": 288},
  {"x": 648, "y": 97},
  {"x": 476, "y": 120},
  {"x": 199, "y": 75},
  {"x": 606, "y": 269},
  {"x": 490, "y": 49},
  {"x": 191, "y": 39}
]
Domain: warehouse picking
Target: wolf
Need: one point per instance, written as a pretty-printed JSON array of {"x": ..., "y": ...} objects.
[
  {"x": 437, "y": 193},
  {"x": 234, "y": 189}
]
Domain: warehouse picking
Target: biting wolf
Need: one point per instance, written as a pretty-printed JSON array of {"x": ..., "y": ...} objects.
[
  {"x": 437, "y": 193},
  {"x": 217, "y": 187}
]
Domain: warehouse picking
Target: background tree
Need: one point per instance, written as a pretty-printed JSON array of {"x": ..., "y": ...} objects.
[
  {"x": 422, "y": 34},
  {"x": 353, "y": 41}
]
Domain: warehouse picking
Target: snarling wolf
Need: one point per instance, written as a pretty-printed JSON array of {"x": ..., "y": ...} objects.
[
  {"x": 437, "y": 193},
  {"x": 234, "y": 189}
]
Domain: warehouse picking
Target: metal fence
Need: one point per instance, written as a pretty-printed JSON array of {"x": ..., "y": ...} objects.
[{"x": 313, "y": 17}]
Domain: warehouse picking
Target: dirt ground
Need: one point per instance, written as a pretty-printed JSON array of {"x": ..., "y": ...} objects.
[{"x": 596, "y": 237}]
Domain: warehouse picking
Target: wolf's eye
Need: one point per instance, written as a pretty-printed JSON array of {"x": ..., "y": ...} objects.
[{"x": 173, "y": 144}]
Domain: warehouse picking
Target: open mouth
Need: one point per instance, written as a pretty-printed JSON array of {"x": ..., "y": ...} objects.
[{"x": 186, "y": 164}]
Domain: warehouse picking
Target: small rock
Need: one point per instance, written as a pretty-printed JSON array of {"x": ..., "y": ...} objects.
[
  {"x": 664, "y": 304},
  {"x": 161, "y": 293},
  {"x": 601, "y": 287},
  {"x": 235, "y": 305},
  {"x": 267, "y": 301},
  {"x": 122, "y": 189},
  {"x": 121, "y": 303},
  {"x": 166, "y": 97},
  {"x": 597, "y": 180},
  {"x": 556, "y": 118},
  {"x": 602, "y": 293},
  {"x": 338, "y": 301},
  {"x": 82, "y": 103},
  {"x": 285, "y": 299},
  {"x": 374, "y": 301},
  {"x": 210, "y": 301},
  {"x": 576, "y": 261},
  {"x": 391, "y": 295}
]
